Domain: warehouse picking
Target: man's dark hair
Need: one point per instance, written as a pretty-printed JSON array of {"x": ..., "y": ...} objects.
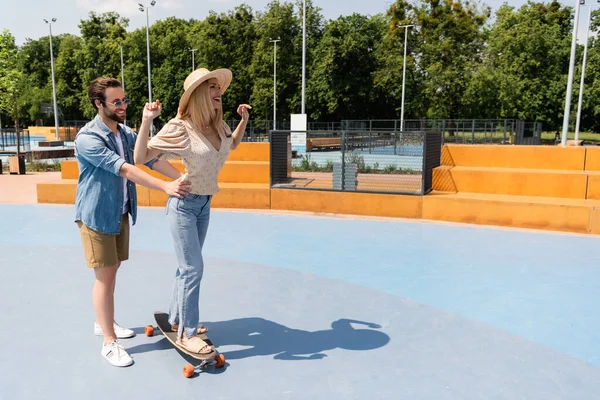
[{"x": 97, "y": 89}]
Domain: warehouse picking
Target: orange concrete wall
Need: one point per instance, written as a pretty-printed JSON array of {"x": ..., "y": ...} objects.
[
  {"x": 595, "y": 221},
  {"x": 521, "y": 182},
  {"x": 347, "y": 203},
  {"x": 507, "y": 212},
  {"x": 245, "y": 172},
  {"x": 539, "y": 157},
  {"x": 592, "y": 158},
  {"x": 593, "y": 186},
  {"x": 443, "y": 180},
  {"x": 59, "y": 192},
  {"x": 251, "y": 152}
]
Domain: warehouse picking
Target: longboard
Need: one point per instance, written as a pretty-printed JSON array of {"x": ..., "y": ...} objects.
[{"x": 212, "y": 358}]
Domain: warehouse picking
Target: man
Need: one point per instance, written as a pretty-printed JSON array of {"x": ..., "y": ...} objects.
[{"x": 106, "y": 196}]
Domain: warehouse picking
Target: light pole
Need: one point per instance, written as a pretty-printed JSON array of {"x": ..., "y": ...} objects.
[
  {"x": 193, "y": 63},
  {"x": 123, "y": 77},
  {"x": 404, "y": 74},
  {"x": 142, "y": 9},
  {"x": 53, "y": 84},
  {"x": 303, "y": 51},
  {"x": 122, "y": 71},
  {"x": 565, "y": 128},
  {"x": 587, "y": 32},
  {"x": 274, "y": 41}
]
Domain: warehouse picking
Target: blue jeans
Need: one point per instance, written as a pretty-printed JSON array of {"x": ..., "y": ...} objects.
[{"x": 188, "y": 220}]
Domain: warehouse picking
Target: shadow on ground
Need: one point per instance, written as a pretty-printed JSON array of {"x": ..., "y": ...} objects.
[{"x": 262, "y": 337}]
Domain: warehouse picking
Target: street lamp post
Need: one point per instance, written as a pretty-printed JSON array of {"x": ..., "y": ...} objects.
[
  {"x": 303, "y": 51},
  {"x": 142, "y": 9},
  {"x": 123, "y": 77},
  {"x": 274, "y": 41},
  {"x": 122, "y": 71},
  {"x": 193, "y": 62},
  {"x": 565, "y": 128},
  {"x": 53, "y": 83},
  {"x": 404, "y": 74},
  {"x": 581, "y": 84}
]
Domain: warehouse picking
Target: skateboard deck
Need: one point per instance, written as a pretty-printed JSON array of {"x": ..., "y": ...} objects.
[{"x": 212, "y": 358}]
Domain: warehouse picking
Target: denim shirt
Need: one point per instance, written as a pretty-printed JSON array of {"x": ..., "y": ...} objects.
[{"x": 99, "y": 198}]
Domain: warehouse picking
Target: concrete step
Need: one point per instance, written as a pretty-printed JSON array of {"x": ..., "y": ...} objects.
[
  {"x": 505, "y": 156},
  {"x": 247, "y": 151},
  {"x": 231, "y": 195},
  {"x": 514, "y": 181},
  {"x": 570, "y": 215},
  {"x": 245, "y": 172},
  {"x": 232, "y": 171}
]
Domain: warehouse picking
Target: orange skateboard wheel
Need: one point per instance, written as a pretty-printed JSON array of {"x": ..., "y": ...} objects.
[
  {"x": 219, "y": 360},
  {"x": 149, "y": 330},
  {"x": 188, "y": 370}
]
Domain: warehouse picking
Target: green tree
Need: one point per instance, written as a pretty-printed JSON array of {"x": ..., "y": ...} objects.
[
  {"x": 526, "y": 63},
  {"x": 227, "y": 40},
  {"x": 11, "y": 79},
  {"x": 344, "y": 63}
]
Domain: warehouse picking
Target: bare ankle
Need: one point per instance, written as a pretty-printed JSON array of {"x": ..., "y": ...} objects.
[{"x": 108, "y": 339}]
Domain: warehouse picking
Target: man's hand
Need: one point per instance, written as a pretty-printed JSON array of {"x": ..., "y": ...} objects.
[
  {"x": 178, "y": 188},
  {"x": 151, "y": 110}
]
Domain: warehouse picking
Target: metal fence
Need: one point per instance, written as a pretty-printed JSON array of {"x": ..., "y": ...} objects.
[
  {"x": 463, "y": 131},
  {"x": 8, "y": 141},
  {"x": 358, "y": 161}
]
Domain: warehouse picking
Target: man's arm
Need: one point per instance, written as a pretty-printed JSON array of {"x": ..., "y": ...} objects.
[
  {"x": 94, "y": 150},
  {"x": 173, "y": 188}
]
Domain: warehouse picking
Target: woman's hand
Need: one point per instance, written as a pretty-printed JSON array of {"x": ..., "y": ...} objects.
[{"x": 242, "y": 110}]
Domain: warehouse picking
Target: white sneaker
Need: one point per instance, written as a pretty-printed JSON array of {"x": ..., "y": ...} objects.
[
  {"x": 116, "y": 354},
  {"x": 122, "y": 333}
]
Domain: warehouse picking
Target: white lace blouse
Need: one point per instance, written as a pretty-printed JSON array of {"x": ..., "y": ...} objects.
[{"x": 202, "y": 161}]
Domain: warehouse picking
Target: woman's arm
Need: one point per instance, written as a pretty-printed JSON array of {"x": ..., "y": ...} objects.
[
  {"x": 167, "y": 169},
  {"x": 238, "y": 134},
  {"x": 141, "y": 153}
]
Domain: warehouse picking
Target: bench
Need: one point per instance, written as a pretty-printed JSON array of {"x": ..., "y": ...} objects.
[{"x": 323, "y": 143}]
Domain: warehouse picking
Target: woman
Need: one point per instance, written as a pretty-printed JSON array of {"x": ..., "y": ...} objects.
[{"x": 200, "y": 137}]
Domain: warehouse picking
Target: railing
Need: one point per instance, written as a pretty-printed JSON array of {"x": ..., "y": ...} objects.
[
  {"x": 463, "y": 131},
  {"x": 8, "y": 141},
  {"x": 358, "y": 161}
]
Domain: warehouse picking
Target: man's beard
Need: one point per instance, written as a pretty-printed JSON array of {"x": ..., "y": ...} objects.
[{"x": 113, "y": 115}]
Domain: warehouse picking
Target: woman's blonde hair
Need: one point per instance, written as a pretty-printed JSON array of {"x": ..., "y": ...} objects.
[{"x": 201, "y": 112}]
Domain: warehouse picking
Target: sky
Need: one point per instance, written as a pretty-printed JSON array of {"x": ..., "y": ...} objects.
[{"x": 25, "y": 18}]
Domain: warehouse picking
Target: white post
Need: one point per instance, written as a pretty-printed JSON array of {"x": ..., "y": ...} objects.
[
  {"x": 148, "y": 51},
  {"x": 53, "y": 83},
  {"x": 123, "y": 77},
  {"x": 404, "y": 76},
  {"x": 565, "y": 128},
  {"x": 587, "y": 31},
  {"x": 142, "y": 9},
  {"x": 122, "y": 71},
  {"x": 193, "y": 62},
  {"x": 303, "y": 51},
  {"x": 274, "y": 41}
]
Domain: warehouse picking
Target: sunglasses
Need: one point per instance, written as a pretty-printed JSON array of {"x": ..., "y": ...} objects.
[{"x": 118, "y": 103}]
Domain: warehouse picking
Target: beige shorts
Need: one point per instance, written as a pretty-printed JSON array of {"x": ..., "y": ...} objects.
[{"x": 103, "y": 250}]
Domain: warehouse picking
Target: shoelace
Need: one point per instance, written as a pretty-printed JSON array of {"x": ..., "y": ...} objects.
[{"x": 116, "y": 348}]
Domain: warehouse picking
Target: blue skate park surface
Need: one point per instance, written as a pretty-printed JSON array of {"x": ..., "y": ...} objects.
[{"x": 308, "y": 306}]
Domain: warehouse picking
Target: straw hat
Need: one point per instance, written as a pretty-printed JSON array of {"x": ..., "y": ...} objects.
[{"x": 200, "y": 75}]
